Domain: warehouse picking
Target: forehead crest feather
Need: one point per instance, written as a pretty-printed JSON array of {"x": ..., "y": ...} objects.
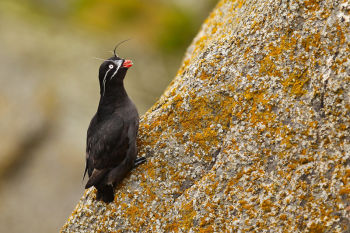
[{"x": 115, "y": 48}]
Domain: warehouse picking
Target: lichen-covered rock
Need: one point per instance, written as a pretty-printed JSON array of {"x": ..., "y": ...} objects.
[{"x": 253, "y": 134}]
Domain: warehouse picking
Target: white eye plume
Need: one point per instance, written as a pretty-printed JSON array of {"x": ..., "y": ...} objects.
[{"x": 118, "y": 64}]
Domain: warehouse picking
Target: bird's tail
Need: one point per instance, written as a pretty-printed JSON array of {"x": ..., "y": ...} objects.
[
  {"x": 86, "y": 169},
  {"x": 105, "y": 193},
  {"x": 96, "y": 178}
]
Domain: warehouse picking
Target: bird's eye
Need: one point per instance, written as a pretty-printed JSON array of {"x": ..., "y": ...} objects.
[{"x": 110, "y": 66}]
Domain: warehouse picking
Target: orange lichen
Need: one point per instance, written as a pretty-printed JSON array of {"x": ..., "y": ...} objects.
[
  {"x": 207, "y": 229},
  {"x": 312, "y": 5},
  {"x": 268, "y": 67},
  {"x": 316, "y": 228},
  {"x": 240, "y": 3},
  {"x": 187, "y": 215},
  {"x": 311, "y": 41},
  {"x": 296, "y": 82},
  {"x": 345, "y": 190}
]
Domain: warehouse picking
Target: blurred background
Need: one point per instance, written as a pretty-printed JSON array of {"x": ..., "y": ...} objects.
[{"x": 49, "y": 90}]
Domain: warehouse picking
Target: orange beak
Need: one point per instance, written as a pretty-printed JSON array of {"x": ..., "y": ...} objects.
[{"x": 127, "y": 63}]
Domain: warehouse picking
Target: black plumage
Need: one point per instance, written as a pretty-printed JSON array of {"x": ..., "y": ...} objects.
[{"x": 111, "y": 137}]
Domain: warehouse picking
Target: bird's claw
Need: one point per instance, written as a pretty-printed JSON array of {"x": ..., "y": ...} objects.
[{"x": 139, "y": 161}]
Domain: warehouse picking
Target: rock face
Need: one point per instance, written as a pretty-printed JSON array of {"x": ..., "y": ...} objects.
[{"x": 252, "y": 134}]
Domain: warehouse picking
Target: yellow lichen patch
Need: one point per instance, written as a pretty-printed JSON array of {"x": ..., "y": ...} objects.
[
  {"x": 245, "y": 204},
  {"x": 312, "y": 5},
  {"x": 133, "y": 211},
  {"x": 267, "y": 64},
  {"x": 288, "y": 42},
  {"x": 187, "y": 214},
  {"x": 204, "y": 136},
  {"x": 257, "y": 99},
  {"x": 240, "y": 3},
  {"x": 151, "y": 172},
  {"x": 266, "y": 205},
  {"x": 203, "y": 76},
  {"x": 201, "y": 43},
  {"x": 268, "y": 67},
  {"x": 183, "y": 67},
  {"x": 312, "y": 41},
  {"x": 206, "y": 229},
  {"x": 345, "y": 190},
  {"x": 316, "y": 228},
  {"x": 201, "y": 112},
  {"x": 296, "y": 82}
]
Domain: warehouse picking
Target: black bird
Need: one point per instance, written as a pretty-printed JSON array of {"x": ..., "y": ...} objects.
[{"x": 111, "y": 137}]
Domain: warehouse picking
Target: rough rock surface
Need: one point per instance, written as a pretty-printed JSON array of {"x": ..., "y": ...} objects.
[{"x": 252, "y": 134}]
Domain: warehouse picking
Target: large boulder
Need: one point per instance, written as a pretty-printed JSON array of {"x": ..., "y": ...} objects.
[{"x": 251, "y": 135}]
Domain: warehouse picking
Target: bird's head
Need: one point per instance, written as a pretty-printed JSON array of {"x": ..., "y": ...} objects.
[{"x": 112, "y": 72}]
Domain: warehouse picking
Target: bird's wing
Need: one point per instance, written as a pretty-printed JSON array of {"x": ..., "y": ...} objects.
[
  {"x": 89, "y": 163},
  {"x": 108, "y": 143}
]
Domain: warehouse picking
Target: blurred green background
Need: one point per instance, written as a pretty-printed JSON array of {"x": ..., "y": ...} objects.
[{"x": 49, "y": 90}]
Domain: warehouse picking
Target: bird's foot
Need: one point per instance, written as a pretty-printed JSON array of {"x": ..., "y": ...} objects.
[{"x": 139, "y": 161}]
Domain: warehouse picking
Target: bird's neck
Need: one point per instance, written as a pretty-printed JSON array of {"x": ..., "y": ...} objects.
[{"x": 111, "y": 100}]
